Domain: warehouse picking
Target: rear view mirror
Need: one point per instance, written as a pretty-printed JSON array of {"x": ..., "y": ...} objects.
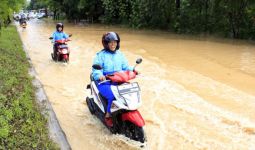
[
  {"x": 51, "y": 38},
  {"x": 70, "y": 35},
  {"x": 139, "y": 60}
]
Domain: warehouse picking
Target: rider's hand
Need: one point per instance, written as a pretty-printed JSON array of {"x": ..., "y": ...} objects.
[
  {"x": 102, "y": 78},
  {"x": 136, "y": 72}
]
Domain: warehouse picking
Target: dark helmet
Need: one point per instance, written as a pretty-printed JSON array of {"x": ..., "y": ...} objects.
[
  {"x": 110, "y": 36},
  {"x": 59, "y": 25}
]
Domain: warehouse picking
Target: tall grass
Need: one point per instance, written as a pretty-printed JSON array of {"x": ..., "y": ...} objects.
[{"x": 22, "y": 126}]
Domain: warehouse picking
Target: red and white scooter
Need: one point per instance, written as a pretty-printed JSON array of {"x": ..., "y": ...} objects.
[
  {"x": 127, "y": 120},
  {"x": 63, "y": 51}
]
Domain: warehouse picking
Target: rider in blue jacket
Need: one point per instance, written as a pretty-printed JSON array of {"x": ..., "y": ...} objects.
[
  {"x": 58, "y": 35},
  {"x": 112, "y": 60}
]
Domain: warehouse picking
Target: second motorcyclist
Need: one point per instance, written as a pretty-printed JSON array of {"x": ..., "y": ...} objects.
[
  {"x": 22, "y": 19},
  {"x": 58, "y": 35}
]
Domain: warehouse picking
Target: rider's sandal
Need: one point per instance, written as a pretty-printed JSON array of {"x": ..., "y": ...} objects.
[{"x": 108, "y": 121}]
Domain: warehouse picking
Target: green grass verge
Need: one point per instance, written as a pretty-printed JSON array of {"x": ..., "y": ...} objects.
[{"x": 22, "y": 126}]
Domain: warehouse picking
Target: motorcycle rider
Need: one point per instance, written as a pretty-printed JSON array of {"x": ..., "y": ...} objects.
[
  {"x": 58, "y": 35},
  {"x": 112, "y": 60},
  {"x": 22, "y": 18}
]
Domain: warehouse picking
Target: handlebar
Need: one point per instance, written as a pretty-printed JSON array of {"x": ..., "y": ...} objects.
[
  {"x": 104, "y": 81},
  {"x": 62, "y": 41}
]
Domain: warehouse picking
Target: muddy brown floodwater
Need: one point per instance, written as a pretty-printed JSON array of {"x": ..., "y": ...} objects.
[{"x": 197, "y": 94}]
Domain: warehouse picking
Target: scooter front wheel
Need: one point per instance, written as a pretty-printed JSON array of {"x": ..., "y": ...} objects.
[
  {"x": 65, "y": 58},
  {"x": 52, "y": 56},
  {"x": 90, "y": 105},
  {"x": 134, "y": 132}
]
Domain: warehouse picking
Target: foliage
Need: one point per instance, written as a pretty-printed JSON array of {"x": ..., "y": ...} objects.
[
  {"x": 37, "y": 4},
  {"x": 7, "y": 7},
  {"x": 21, "y": 124},
  {"x": 231, "y": 18}
]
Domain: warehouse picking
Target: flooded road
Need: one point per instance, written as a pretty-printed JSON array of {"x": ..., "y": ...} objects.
[{"x": 197, "y": 94}]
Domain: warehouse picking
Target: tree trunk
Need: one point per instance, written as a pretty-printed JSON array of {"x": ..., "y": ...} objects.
[
  {"x": 206, "y": 16},
  {"x": 55, "y": 14},
  {"x": 177, "y": 7},
  {"x": 46, "y": 12}
]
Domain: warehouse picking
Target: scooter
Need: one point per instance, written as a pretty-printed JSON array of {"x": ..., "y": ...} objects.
[
  {"x": 63, "y": 51},
  {"x": 126, "y": 118}
]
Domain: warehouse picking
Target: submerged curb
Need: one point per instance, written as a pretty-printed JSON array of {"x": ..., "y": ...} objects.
[{"x": 55, "y": 130}]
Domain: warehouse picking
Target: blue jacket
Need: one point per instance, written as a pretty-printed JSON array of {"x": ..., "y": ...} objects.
[
  {"x": 59, "y": 36},
  {"x": 111, "y": 62}
]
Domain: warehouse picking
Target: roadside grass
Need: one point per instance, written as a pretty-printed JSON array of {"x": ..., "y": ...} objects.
[{"x": 22, "y": 126}]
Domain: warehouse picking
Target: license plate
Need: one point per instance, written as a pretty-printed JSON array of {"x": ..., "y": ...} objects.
[
  {"x": 62, "y": 46},
  {"x": 64, "y": 51}
]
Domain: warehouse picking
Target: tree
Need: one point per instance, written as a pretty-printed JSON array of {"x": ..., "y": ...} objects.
[
  {"x": 232, "y": 18},
  {"x": 7, "y": 8}
]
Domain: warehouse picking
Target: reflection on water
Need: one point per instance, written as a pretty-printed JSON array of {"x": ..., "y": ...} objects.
[
  {"x": 196, "y": 94},
  {"x": 248, "y": 61}
]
